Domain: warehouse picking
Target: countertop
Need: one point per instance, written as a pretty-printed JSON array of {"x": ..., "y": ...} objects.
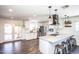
[{"x": 52, "y": 38}]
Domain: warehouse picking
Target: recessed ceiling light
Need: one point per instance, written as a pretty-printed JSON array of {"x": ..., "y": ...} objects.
[{"x": 10, "y": 10}]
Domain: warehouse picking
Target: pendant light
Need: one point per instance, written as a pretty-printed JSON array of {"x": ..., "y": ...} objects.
[
  {"x": 67, "y": 22},
  {"x": 50, "y": 18},
  {"x": 65, "y": 18},
  {"x": 55, "y": 18}
]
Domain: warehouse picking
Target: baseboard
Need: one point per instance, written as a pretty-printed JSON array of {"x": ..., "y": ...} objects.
[
  {"x": 10, "y": 41},
  {"x": 15, "y": 40}
]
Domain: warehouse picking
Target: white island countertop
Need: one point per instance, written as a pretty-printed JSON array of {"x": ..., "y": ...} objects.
[{"x": 52, "y": 38}]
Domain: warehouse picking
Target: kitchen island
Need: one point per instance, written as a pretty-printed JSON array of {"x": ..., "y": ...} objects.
[{"x": 47, "y": 43}]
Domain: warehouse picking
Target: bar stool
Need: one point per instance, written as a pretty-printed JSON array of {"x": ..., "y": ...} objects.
[
  {"x": 59, "y": 49},
  {"x": 66, "y": 47},
  {"x": 69, "y": 45},
  {"x": 73, "y": 43}
]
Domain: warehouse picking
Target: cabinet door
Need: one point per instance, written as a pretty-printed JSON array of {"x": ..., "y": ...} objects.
[{"x": 46, "y": 47}]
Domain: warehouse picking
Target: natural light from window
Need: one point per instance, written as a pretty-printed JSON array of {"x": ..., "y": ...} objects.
[
  {"x": 7, "y": 31},
  {"x": 33, "y": 24},
  {"x": 77, "y": 26}
]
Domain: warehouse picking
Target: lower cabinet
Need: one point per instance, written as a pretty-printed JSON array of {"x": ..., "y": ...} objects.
[{"x": 31, "y": 36}]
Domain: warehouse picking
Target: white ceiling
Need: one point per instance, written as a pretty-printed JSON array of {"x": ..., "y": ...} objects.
[{"x": 29, "y": 11}]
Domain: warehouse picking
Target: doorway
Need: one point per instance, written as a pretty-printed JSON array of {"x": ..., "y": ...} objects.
[
  {"x": 8, "y": 32},
  {"x": 11, "y": 32}
]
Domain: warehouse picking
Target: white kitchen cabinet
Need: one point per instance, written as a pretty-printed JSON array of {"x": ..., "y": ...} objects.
[{"x": 31, "y": 36}]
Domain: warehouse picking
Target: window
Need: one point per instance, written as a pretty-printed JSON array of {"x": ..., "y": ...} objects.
[
  {"x": 7, "y": 31},
  {"x": 11, "y": 32},
  {"x": 77, "y": 26},
  {"x": 17, "y": 32},
  {"x": 33, "y": 24}
]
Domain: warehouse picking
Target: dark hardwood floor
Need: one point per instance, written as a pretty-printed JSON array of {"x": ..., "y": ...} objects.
[
  {"x": 24, "y": 47},
  {"x": 20, "y": 47}
]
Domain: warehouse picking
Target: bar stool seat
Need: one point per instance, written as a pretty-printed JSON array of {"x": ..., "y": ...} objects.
[{"x": 59, "y": 49}]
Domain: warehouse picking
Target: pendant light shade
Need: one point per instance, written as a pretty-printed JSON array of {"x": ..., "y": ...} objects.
[
  {"x": 67, "y": 22},
  {"x": 50, "y": 18}
]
